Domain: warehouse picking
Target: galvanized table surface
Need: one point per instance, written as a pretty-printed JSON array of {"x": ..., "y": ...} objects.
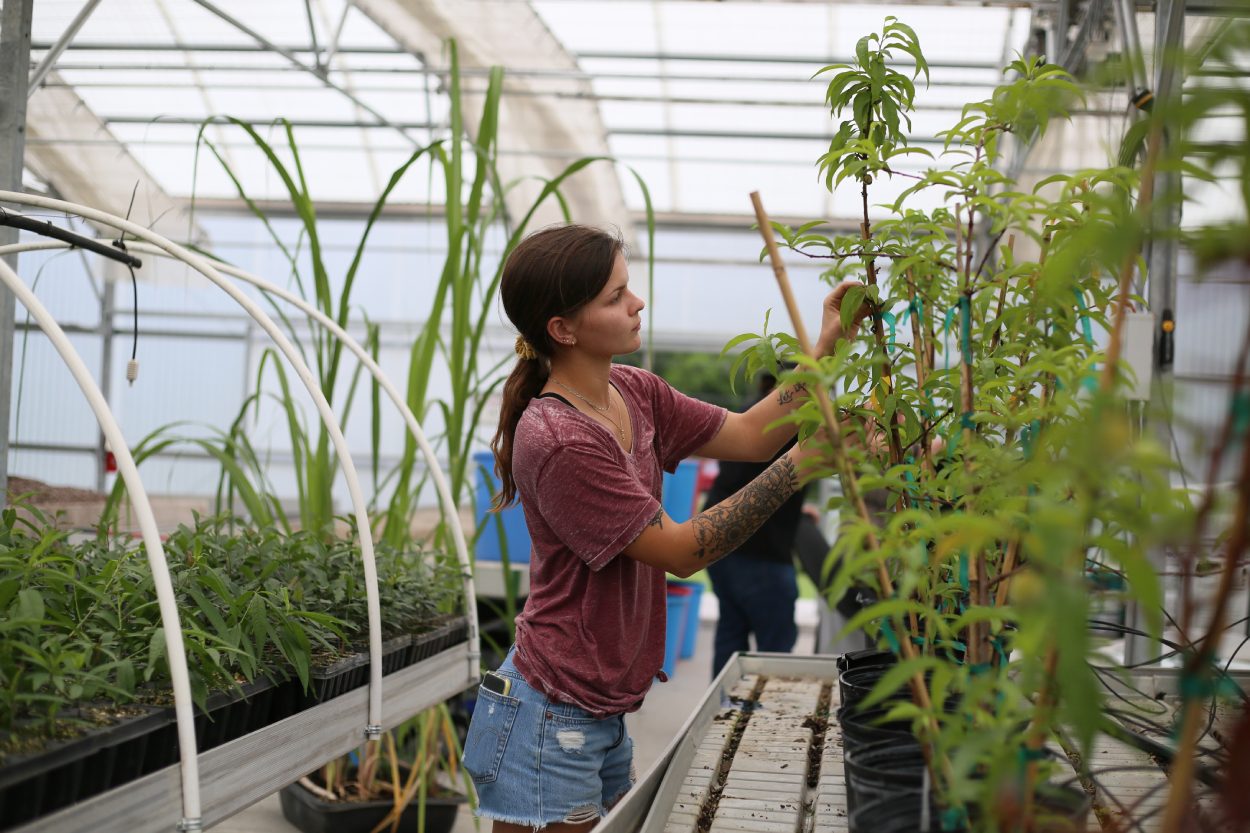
[{"x": 783, "y": 773}]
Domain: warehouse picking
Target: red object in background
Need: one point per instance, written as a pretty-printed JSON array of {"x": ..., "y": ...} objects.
[
  {"x": 708, "y": 469},
  {"x": 110, "y": 463}
]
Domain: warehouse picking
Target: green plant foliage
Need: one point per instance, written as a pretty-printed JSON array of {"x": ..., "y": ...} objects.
[
  {"x": 81, "y": 622},
  {"x": 1004, "y": 475}
]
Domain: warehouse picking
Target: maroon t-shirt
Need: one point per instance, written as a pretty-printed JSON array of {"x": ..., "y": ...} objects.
[{"x": 592, "y": 631}]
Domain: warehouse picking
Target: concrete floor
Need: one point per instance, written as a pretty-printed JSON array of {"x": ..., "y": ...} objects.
[{"x": 653, "y": 728}]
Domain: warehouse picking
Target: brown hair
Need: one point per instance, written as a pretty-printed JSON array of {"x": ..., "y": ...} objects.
[{"x": 553, "y": 272}]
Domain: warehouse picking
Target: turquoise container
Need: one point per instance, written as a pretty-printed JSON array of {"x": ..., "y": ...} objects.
[
  {"x": 516, "y": 533},
  {"x": 678, "y": 490},
  {"x": 678, "y": 604},
  {"x": 690, "y": 627}
]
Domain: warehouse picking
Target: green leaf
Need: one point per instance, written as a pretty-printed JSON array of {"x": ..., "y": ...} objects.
[{"x": 851, "y": 302}]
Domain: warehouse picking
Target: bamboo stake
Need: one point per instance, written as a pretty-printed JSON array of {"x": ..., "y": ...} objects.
[
  {"x": 1009, "y": 564},
  {"x": 922, "y": 372}
]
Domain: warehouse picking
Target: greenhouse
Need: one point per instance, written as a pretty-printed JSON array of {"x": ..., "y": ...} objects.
[{"x": 655, "y": 416}]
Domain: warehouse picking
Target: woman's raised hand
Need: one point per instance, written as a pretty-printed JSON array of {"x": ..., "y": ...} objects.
[{"x": 831, "y": 331}]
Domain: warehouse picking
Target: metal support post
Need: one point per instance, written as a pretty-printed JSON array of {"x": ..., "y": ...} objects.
[
  {"x": 15, "y": 17},
  {"x": 1130, "y": 46},
  {"x": 108, "y": 307},
  {"x": 1161, "y": 260}
]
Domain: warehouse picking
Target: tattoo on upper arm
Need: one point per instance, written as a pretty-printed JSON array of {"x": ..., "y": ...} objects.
[
  {"x": 726, "y": 526},
  {"x": 786, "y": 396},
  {"x": 657, "y": 519}
]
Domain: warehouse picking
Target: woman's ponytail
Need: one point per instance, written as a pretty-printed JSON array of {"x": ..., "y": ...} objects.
[{"x": 523, "y": 384}]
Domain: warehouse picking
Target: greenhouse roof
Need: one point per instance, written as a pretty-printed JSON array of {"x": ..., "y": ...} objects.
[{"x": 707, "y": 101}]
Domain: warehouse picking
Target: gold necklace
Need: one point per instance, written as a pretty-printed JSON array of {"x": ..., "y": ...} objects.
[{"x": 604, "y": 411}]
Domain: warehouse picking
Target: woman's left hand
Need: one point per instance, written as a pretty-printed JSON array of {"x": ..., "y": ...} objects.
[{"x": 831, "y": 319}]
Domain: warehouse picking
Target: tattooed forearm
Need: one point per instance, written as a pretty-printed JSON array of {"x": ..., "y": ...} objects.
[
  {"x": 657, "y": 519},
  {"x": 786, "y": 396},
  {"x": 726, "y": 526}
]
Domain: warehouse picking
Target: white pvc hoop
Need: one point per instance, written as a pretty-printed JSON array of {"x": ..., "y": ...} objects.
[
  {"x": 206, "y": 268},
  {"x": 174, "y": 650},
  {"x": 414, "y": 426}
]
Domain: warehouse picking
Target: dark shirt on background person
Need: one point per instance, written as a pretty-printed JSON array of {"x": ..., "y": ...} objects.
[{"x": 756, "y": 585}]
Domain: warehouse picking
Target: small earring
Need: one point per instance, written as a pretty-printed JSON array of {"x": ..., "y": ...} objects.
[{"x": 571, "y": 341}]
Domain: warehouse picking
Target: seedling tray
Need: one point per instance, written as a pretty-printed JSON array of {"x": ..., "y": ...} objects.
[
  {"x": 451, "y": 630},
  {"x": 243, "y": 771},
  {"x": 68, "y": 771}
]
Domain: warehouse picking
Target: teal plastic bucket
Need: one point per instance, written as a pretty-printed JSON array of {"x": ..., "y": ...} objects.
[
  {"x": 678, "y": 490},
  {"x": 678, "y": 604},
  {"x": 690, "y": 627},
  {"x": 516, "y": 533}
]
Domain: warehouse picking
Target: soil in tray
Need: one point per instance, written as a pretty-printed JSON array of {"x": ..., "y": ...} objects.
[{"x": 111, "y": 745}]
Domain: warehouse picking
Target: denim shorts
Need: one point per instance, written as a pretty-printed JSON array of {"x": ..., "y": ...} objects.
[{"x": 536, "y": 762}]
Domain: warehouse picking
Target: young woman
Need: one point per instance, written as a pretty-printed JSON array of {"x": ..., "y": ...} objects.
[{"x": 582, "y": 442}]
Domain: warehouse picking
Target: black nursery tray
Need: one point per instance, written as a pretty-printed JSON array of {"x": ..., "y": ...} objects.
[
  {"x": 70, "y": 770},
  {"x": 352, "y": 671},
  {"x": 451, "y": 630}
]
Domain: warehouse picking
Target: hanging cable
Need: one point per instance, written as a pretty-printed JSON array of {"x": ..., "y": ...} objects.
[{"x": 132, "y": 366}]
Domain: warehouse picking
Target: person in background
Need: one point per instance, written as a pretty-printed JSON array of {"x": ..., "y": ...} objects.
[{"x": 756, "y": 584}]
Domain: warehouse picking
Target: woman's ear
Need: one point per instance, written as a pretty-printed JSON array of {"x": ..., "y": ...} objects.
[{"x": 561, "y": 331}]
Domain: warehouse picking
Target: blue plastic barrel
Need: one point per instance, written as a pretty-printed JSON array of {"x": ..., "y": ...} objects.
[
  {"x": 679, "y": 490},
  {"x": 690, "y": 627},
  {"x": 515, "y": 531},
  {"x": 678, "y": 604}
]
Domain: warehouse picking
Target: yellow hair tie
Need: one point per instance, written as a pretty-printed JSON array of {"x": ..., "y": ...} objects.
[{"x": 525, "y": 350}]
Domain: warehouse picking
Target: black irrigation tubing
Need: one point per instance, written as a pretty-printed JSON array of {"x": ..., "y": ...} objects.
[
  {"x": 45, "y": 229},
  {"x": 1100, "y": 671},
  {"x": 1161, "y": 751}
]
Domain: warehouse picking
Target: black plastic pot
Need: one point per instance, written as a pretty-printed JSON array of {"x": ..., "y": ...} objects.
[
  {"x": 312, "y": 814},
  {"x": 862, "y": 728},
  {"x": 1056, "y": 810},
  {"x": 865, "y": 658},
  {"x": 882, "y": 769},
  {"x": 899, "y": 813},
  {"x": 68, "y": 771},
  {"x": 855, "y": 684}
]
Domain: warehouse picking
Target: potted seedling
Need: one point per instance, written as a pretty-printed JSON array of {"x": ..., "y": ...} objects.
[{"x": 411, "y": 781}]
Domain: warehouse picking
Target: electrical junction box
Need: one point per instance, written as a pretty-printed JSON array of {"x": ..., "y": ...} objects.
[{"x": 1137, "y": 352}]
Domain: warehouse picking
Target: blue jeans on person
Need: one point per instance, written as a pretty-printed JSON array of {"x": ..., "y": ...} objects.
[
  {"x": 535, "y": 761},
  {"x": 756, "y": 597}
]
